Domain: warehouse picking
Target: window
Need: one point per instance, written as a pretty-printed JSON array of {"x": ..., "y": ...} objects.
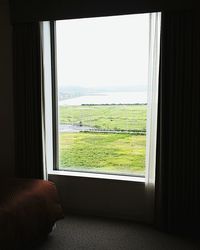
[{"x": 101, "y": 93}]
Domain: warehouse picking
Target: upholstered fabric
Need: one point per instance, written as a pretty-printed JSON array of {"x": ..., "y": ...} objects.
[{"x": 28, "y": 210}]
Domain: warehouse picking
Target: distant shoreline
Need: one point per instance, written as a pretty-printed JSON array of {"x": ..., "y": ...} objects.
[
  {"x": 113, "y": 104},
  {"x": 115, "y": 98}
]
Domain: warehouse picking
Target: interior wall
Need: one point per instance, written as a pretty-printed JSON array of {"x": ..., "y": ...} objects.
[
  {"x": 6, "y": 93},
  {"x": 104, "y": 197},
  {"x": 37, "y": 10}
]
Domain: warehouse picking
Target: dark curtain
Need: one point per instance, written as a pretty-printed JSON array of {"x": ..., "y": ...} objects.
[
  {"x": 178, "y": 156},
  {"x": 27, "y": 101}
]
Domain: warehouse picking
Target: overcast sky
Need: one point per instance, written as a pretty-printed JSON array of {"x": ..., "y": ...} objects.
[{"x": 103, "y": 51}]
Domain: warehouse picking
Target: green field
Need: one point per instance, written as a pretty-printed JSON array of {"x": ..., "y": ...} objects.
[
  {"x": 120, "y": 151},
  {"x": 110, "y": 117}
]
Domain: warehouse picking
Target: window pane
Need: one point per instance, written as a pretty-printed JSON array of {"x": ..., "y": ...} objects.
[{"x": 102, "y": 71}]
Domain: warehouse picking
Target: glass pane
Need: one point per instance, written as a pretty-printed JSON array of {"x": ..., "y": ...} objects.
[{"x": 102, "y": 69}]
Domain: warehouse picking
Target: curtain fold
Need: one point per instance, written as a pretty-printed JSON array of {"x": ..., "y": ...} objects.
[
  {"x": 152, "y": 99},
  {"x": 178, "y": 145},
  {"x": 152, "y": 102},
  {"x": 27, "y": 101}
]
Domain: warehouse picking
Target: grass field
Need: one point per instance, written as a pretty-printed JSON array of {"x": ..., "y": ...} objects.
[
  {"x": 99, "y": 152},
  {"x": 121, "y": 153},
  {"x": 110, "y": 117}
]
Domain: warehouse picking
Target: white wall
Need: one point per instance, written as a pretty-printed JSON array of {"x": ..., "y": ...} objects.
[
  {"x": 103, "y": 197},
  {"x": 6, "y": 93}
]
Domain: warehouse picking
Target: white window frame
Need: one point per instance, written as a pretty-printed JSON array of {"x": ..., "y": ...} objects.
[{"x": 50, "y": 136}]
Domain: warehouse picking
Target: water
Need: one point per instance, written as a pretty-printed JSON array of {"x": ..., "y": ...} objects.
[
  {"x": 74, "y": 128},
  {"x": 108, "y": 98}
]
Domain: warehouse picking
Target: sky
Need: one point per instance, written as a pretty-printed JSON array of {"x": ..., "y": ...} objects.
[{"x": 103, "y": 52}]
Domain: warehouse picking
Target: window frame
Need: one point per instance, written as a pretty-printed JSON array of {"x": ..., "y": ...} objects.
[
  {"x": 55, "y": 140},
  {"x": 55, "y": 136}
]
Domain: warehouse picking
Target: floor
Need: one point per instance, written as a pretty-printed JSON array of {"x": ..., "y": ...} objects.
[{"x": 85, "y": 233}]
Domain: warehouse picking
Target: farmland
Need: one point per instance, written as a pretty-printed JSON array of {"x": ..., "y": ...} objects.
[
  {"x": 110, "y": 117},
  {"x": 114, "y": 143}
]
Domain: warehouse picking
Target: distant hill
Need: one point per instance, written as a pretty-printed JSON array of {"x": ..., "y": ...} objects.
[{"x": 68, "y": 92}]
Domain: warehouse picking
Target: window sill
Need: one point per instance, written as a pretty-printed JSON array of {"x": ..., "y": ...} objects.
[{"x": 97, "y": 176}]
